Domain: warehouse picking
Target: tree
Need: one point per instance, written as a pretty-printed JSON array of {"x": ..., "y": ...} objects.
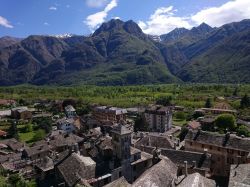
[
  {"x": 44, "y": 123},
  {"x": 14, "y": 179},
  {"x": 245, "y": 101},
  {"x": 243, "y": 130},
  {"x": 39, "y": 135},
  {"x": 165, "y": 101},
  {"x": 208, "y": 103},
  {"x": 225, "y": 121},
  {"x": 235, "y": 93},
  {"x": 12, "y": 131},
  {"x": 180, "y": 115},
  {"x": 197, "y": 114},
  {"x": 140, "y": 124},
  {"x": 183, "y": 133}
]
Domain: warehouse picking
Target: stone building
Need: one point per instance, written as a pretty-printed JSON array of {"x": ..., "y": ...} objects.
[
  {"x": 158, "y": 118},
  {"x": 112, "y": 114},
  {"x": 70, "y": 111},
  {"x": 21, "y": 113},
  {"x": 133, "y": 161},
  {"x": 74, "y": 168},
  {"x": 225, "y": 149}
]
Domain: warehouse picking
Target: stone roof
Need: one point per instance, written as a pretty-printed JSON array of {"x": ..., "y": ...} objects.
[
  {"x": 178, "y": 157},
  {"x": 13, "y": 144},
  {"x": 70, "y": 108},
  {"x": 143, "y": 156},
  {"x": 114, "y": 110},
  {"x": 95, "y": 132},
  {"x": 75, "y": 168},
  {"x": 120, "y": 129},
  {"x": 239, "y": 175},
  {"x": 207, "y": 120},
  {"x": 161, "y": 174},
  {"x": 46, "y": 164},
  {"x": 195, "y": 180},
  {"x": 30, "y": 151},
  {"x": 10, "y": 157},
  {"x": 156, "y": 141},
  {"x": 121, "y": 182},
  {"x": 21, "y": 108},
  {"x": 65, "y": 140},
  {"x": 105, "y": 143},
  {"x": 230, "y": 141}
]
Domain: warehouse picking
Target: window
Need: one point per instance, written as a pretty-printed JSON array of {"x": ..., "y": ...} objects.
[
  {"x": 120, "y": 173},
  {"x": 202, "y": 146},
  {"x": 191, "y": 143},
  {"x": 218, "y": 149}
]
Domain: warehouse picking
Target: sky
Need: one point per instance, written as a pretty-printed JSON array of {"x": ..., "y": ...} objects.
[{"x": 21, "y": 18}]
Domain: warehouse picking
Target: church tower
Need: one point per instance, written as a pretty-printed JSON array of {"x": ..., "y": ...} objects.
[{"x": 121, "y": 140}]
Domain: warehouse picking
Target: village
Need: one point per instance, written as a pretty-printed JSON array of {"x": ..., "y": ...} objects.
[{"x": 63, "y": 143}]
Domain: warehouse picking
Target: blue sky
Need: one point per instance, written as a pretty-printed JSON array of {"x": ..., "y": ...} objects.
[{"x": 21, "y": 18}]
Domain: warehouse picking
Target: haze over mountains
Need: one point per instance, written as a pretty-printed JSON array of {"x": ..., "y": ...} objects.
[{"x": 119, "y": 53}]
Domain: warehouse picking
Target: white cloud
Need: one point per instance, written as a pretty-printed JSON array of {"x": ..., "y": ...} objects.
[
  {"x": 46, "y": 24},
  {"x": 94, "y": 20},
  {"x": 235, "y": 10},
  {"x": 163, "y": 21},
  {"x": 96, "y": 3},
  {"x": 52, "y": 8},
  {"x": 4, "y": 22}
]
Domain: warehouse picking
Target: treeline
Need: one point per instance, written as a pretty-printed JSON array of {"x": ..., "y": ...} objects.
[{"x": 189, "y": 95}]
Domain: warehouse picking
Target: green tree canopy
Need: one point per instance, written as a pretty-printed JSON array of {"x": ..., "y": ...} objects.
[
  {"x": 243, "y": 130},
  {"x": 225, "y": 121},
  {"x": 180, "y": 115},
  {"x": 165, "y": 101}
]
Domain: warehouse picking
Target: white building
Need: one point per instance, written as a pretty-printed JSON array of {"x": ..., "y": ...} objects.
[
  {"x": 70, "y": 111},
  {"x": 159, "y": 118},
  {"x": 66, "y": 125}
]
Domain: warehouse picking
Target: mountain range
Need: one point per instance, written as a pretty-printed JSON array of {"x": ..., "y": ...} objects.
[{"x": 119, "y": 53}]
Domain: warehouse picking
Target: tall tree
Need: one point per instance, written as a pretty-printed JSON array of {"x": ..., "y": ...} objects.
[
  {"x": 12, "y": 131},
  {"x": 245, "y": 101},
  {"x": 208, "y": 103}
]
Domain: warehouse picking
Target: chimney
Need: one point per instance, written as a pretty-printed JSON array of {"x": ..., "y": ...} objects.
[
  {"x": 238, "y": 160},
  {"x": 174, "y": 145},
  {"x": 170, "y": 136},
  {"x": 186, "y": 169},
  {"x": 194, "y": 164},
  {"x": 178, "y": 142},
  {"x": 205, "y": 150},
  {"x": 76, "y": 148}
]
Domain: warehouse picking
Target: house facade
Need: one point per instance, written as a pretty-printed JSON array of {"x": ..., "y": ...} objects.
[
  {"x": 225, "y": 149},
  {"x": 112, "y": 114},
  {"x": 158, "y": 118}
]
